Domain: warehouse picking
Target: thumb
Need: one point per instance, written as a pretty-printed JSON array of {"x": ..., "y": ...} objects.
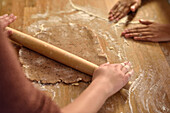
[
  {"x": 134, "y": 7},
  {"x": 145, "y": 22}
]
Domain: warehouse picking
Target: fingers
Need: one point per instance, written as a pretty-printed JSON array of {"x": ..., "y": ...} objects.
[
  {"x": 6, "y": 20},
  {"x": 140, "y": 34},
  {"x": 129, "y": 74},
  {"x": 144, "y": 38},
  {"x": 145, "y": 22},
  {"x": 135, "y": 7},
  {"x": 126, "y": 11},
  {"x": 121, "y": 11},
  {"x": 115, "y": 12},
  {"x": 127, "y": 71},
  {"x": 3, "y": 16},
  {"x": 122, "y": 8},
  {"x": 136, "y": 30},
  {"x": 126, "y": 67},
  {"x": 9, "y": 19},
  {"x": 111, "y": 11}
]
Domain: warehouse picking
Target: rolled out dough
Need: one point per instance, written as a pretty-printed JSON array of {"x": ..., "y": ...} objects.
[{"x": 71, "y": 37}]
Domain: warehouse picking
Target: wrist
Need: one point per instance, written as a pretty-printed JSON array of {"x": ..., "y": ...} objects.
[{"x": 102, "y": 86}]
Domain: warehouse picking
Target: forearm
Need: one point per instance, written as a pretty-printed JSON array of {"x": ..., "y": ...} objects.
[{"x": 90, "y": 101}]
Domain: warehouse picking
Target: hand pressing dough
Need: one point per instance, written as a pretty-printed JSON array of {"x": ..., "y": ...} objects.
[{"x": 71, "y": 37}]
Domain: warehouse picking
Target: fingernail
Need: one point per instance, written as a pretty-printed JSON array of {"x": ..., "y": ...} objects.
[
  {"x": 133, "y": 7},
  {"x": 141, "y": 20}
]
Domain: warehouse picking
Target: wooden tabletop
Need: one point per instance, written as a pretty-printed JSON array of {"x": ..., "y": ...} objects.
[{"x": 151, "y": 61}]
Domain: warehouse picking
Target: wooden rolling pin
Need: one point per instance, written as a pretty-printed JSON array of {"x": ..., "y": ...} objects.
[{"x": 54, "y": 52}]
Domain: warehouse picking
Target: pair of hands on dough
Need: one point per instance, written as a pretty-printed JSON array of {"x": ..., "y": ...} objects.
[{"x": 149, "y": 31}]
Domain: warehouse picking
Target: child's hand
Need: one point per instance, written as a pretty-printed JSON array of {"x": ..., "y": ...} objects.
[
  {"x": 122, "y": 8},
  {"x": 113, "y": 76},
  {"x": 6, "y": 20}
]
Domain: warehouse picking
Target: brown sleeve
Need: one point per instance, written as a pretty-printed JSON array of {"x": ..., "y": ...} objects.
[{"x": 17, "y": 94}]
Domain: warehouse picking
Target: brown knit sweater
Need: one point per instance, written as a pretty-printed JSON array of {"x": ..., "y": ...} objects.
[{"x": 17, "y": 94}]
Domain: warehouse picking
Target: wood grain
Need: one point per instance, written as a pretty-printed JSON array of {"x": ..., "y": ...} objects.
[{"x": 151, "y": 61}]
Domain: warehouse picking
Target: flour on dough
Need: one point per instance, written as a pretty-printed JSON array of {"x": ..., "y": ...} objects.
[{"x": 71, "y": 37}]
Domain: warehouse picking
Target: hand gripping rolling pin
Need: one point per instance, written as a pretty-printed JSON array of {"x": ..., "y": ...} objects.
[{"x": 56, "y": 53}]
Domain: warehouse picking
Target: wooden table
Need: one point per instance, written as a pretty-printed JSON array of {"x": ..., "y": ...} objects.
[{"x": 151, "y": 61}]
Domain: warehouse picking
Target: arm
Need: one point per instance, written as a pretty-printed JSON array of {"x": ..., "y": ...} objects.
[
  {"x": 90, "y": 101},
  {"x": 107, "y": 80},
  {"x": 17, "y": 94}
]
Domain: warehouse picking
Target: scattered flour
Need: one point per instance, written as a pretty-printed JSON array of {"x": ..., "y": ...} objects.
[{"x": 138, "y": 84}]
